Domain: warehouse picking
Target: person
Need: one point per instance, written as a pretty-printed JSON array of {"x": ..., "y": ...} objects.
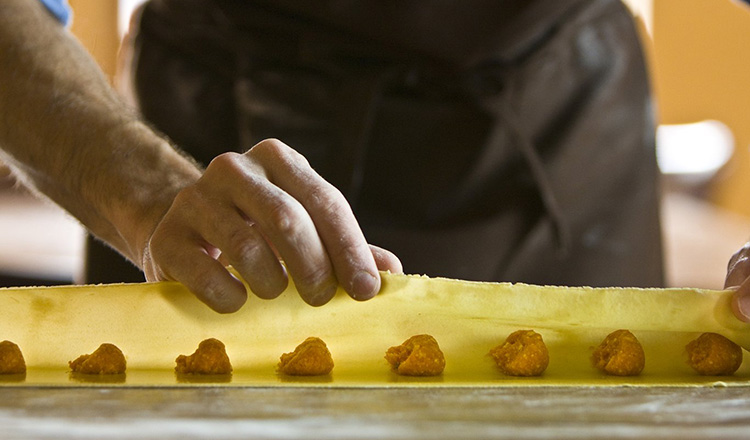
[
  {"x": 66, "y": 133},
  {"x": 494, "y": 141},
  {"x": 470, "y": 140}
]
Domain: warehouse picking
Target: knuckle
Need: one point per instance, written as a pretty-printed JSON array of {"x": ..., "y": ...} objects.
[
  {"x": 241, "y": 245},
  {"x": 329, "y": 200},
  {"x": 268, "y": 148},
  {"x": 288, "y": 218},
  {"x": 269, "y": 145},
  {"x": 274, "y": 150},
  {"x": 187, "y": 197},
  {"x": 223, "y": 162},
  {"x": 226, "y": 166}
]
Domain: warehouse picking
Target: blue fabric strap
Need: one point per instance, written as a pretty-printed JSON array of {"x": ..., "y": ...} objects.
[{"x": 59, "y": 8}]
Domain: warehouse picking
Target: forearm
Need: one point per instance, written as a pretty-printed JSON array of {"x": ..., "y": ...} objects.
[{"x": 67, "y": 134}]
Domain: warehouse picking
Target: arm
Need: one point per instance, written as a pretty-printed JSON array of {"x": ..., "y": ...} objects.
[
  {"x": 59, "y": 117},
  {"x": 66, "y": 133}
]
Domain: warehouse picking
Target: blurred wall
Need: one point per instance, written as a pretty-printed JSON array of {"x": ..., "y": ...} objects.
[
  {"x": 643, "y": 9},
  {"x": 701, "y": 66},
  {"x": 95, "y": 24}
]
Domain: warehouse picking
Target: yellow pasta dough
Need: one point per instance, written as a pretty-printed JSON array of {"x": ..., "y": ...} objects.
[{"x": 42, "y": 322}]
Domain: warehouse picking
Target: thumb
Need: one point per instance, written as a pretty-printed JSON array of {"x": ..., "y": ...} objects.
[{"x": 741, "y": 302}]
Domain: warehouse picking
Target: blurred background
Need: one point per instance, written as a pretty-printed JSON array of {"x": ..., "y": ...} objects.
[{"x": 700, "y": 66}]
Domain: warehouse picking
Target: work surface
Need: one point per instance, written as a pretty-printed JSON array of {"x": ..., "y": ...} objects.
[
  {"x": 153, "y": 323},
  {"x": 355, "y": 413}
]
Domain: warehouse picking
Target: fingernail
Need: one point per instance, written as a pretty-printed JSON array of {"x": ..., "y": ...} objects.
[{"x": 364, "y": 286}]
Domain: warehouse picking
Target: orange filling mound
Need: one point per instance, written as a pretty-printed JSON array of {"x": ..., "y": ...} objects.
[
  {"x": 714, "y": 355},
  {"x": 11, "y": 359},
  {"x": 620, "y": 354},
  {"x": 419, "y": 355},
  {"x": 310, "y": 358},
  {"x": 522, "y": 354},
  {"x": 210, "y": 358},
  {"x": 107, "y": 359}
]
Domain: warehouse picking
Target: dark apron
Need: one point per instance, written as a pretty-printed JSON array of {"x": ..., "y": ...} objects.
[{"x": 484, "y": 140}]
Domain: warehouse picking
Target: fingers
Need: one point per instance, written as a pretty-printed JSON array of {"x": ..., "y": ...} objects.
[
  {"x": 204, "y": 222},
  {"x": 386, "y": 260},
  {"x": 738, "y": 268},
  {"x": 291, "y": 230},
  {"x": 741, "y": 302},
  {"x": 243, "y": 247},
  {"x": 250, "y": 211},
  {"x": 346, "y": 255},
  {"x": 737, "y": 273},
  {"x": 170, "y": 256},
  {"x": 738, "y": 278}
]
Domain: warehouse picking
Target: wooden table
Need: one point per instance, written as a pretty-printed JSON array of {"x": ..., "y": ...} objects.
[{"x": 376, "y": 413}]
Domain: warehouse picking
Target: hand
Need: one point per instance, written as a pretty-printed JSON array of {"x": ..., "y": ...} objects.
[
  {"x": 738, "y": 279},
  {"x": 251, "y": 210}
]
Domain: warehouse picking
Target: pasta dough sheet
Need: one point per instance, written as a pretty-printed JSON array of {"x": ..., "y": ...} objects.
[{"x": 154, "y": 322}]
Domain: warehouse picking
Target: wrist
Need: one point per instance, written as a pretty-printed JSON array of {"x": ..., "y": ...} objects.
[{"x": 146, "y": 175}]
